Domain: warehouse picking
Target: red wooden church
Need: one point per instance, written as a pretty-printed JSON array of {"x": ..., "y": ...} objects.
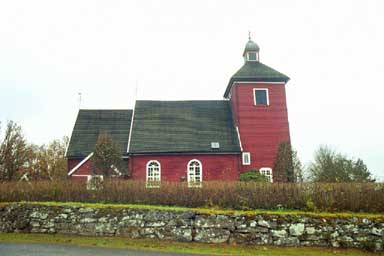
[{"x": 194, "y": 141}]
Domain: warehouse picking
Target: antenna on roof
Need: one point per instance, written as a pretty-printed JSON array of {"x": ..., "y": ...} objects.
[
  {"x": 80, "y": 99},
  {"x": 136, "y": 90},
  {"x": 249, "y": 35}
]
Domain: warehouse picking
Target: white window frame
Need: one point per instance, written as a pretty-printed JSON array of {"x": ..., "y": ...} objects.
[
  {"x": 254, "y": 95},
  {"x": 249, "y": 158},
  {"x": 257, "y": 56},
  {"x": 193, "y": 183},
  {"x": 267, "y": 172},
  {"x": 152, "y": 183}
]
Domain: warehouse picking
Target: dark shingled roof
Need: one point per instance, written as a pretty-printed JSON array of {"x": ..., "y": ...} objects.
[
  {"x": 90, "y": 123},
  {"x": 183, "y": 126},
  {"x": 257, "y": 72}
]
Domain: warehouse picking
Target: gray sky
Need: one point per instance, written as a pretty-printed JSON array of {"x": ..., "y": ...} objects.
[{"x": 174, "y": 50}]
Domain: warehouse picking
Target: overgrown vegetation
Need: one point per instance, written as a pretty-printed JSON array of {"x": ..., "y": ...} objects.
[
  {"x": 22, "y": 160},
  {"x": 253, "y": 175},
  {"x": 106, "y": 157},
  {"x": 331, "y": 166},
  {"x": 283, "y": 165},
  {"x": 331, "y": 197}
]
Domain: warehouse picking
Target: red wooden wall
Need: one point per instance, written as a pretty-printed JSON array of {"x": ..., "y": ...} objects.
[
  {"x": 262, "y": 128},
  {"x": 82, "y": 171},
  {"x": 174, "y": 167}
]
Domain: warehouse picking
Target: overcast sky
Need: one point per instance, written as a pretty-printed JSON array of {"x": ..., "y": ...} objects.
[{"x": 333, "y": 51}]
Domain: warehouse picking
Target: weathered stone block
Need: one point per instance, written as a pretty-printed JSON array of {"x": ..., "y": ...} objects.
[
  {"x": 174, "y": 233},
  {"x": 289, "y": 241},
  {"x": 310, "y": 230},
  {"x": 39, "y": 215},
  {"x": 377, "y": 232},
  {"x": 263, "y": 223},
  {"x": 296, "y": 229},
  {"x": 212, "y": 235},
  {"x": 213, "y": 221},
  {"x": 279, "y": 233}
]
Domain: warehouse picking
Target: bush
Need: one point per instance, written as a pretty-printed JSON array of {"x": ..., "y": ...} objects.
[
  {"x": 333, "y": 197},
  {"x": 253, "y": 175}
]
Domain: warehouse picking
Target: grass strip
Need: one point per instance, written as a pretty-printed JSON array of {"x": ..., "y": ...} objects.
[
  {"x": 177, "y": 247},
  {"x": 213, "y": 210}
]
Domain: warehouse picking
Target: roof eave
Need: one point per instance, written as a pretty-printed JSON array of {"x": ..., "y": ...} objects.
[
  {"x": 184, "y": 152},
  {"x": 253, "y": 79}
]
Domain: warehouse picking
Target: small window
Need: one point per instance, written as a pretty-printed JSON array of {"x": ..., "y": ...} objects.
[
  {"x": 246, "y": 158},
  {"x": 252, "y": 56},
  {"x": 261, "y": 97},
  {"x": 215, "y": 145},
  {"x": 267, "y": 172},
  {"x": 153, "y": 174},
  {"x": 195, "y": 173}
]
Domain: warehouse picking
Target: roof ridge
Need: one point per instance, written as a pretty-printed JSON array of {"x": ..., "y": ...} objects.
[
  {"x": 179, "y": 100},
  {"x": 105, "y": 109}
]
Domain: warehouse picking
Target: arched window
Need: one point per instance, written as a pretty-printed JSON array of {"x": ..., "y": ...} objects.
[
  {"x": 195, "y": 173},
  {"x": 267, "y": 172},
  {"x": 153, "y": 174}
]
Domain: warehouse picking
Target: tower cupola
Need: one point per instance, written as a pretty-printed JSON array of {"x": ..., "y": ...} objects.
[{"x": 251, "y": 51}]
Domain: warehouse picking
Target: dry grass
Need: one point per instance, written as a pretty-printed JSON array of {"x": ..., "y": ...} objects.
[{"x": 355, "y": 197}]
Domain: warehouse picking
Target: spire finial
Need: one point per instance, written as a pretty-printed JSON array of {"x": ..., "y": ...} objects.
[
  {"x": 80, "y": 99},
  {"x": 249, "y": 35}
]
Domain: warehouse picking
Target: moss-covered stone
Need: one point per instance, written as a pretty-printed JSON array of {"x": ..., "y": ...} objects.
[{"x": 194, "y": 225}]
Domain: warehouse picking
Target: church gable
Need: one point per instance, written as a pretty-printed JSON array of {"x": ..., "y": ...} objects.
[{"x": 90, "y": 123}]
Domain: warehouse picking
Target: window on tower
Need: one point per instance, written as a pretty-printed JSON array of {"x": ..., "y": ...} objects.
[
  {"x": 261, "y": 96},
  {"x": 246, "y": 158},
  {"x": 252, "y": 56}
]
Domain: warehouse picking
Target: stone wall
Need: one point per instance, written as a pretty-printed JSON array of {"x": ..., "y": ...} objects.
[{"x": 258, "y": 229}]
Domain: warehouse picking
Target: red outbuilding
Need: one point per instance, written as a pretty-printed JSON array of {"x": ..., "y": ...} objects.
[{"x": 194, "y": 141}]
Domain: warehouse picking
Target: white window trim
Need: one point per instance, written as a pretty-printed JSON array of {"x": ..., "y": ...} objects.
[
  {"x": 191, "y": 185},
  {"x": 148, "y": 185},
  {"x": 249, "y": 158},
  {"x": 238, "y": 135},
  {"x": 131, "y": 127},
  {"x": 267, "y": 169},
  {"x": 254, "y": 95},
  {"x": 80, "y": 164},
  {"x": 261, "y": 82},
  {"x": 257, "y": 56}
]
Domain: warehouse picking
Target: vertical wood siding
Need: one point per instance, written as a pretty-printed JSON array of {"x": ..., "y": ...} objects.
[
  {"x": 262, "y": 128},
  {"x": 83, "y": 170},
  {"x": 174, "y": 167}
]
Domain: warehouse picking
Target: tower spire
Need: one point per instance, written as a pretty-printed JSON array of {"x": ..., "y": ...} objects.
[{"x": 251, "y": 51}]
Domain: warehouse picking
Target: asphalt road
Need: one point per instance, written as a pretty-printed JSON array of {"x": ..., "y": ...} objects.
[{"x": 19, "y": 249}]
